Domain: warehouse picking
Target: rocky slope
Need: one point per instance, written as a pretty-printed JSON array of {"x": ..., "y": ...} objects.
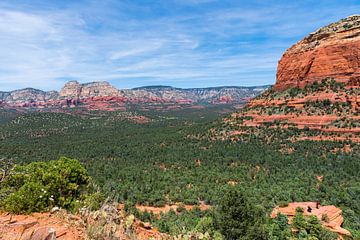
[
  {"x": 332, "y": 51},
  {"x": 101, "y": 95},
  {"x": 317, "y": 91},
  {"x": 109, "y": 222}
]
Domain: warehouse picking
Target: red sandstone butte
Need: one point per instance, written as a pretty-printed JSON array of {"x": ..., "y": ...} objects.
[{"x": 332, "y": 51}]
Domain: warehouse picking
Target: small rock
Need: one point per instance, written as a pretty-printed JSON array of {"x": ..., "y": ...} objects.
[
  {"x": 44, "y": 233},
  {"x": 54, "y": 209},
  {"x": 22, "y": 226},
  {"x": 74, "y": 217}
]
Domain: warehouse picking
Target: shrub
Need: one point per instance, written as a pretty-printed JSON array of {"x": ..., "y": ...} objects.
[
  {"x": 325, "y": 218},
  {"x": 206, "y": 224},
  {"x": 180, "y": 209},
  {"x": 94, "y": 200},
  {"x": 283, "y": 204},
  {"x": 299, "y": 221},
  {"x": 280, "y": 228},
  {"x": 39, "y": 186}
]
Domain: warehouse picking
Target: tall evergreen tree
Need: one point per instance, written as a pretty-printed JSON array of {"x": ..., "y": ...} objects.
[{"x": 238, "y": 218}]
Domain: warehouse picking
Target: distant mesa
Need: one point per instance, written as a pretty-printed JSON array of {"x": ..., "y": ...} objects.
[
  {"x": 74, "y": 89},
  {"x": 331, "y": 51},
  {"x": 104, "y": 96}
]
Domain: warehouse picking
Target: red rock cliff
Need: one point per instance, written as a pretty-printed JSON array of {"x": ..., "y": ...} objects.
[{"x": 332, "y": 51}]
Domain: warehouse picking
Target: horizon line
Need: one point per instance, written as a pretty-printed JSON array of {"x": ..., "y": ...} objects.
[{"x": 144, "y": 86}]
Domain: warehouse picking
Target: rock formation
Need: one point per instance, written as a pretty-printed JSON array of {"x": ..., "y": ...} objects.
[
  {"x": 106, "y": 223},
  {"x": 74, "y": 89},
  {"x": 317, "y": 88},
  {"x": 334, "y": 214},
  {"x": 71, "y": 89},
  {"x": 39, "y": 226},
  {"x": 103, "y": 96},
  {"x": 27, "y": 95},
  {"x": 332, "y": 51}
]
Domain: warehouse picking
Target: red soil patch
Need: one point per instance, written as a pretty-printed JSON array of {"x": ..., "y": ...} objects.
[
  {"x": 37, "y": 226},
  {"x": 67, "y": 227},
  {"x": 346, "y": 149},
  {"x": 320, "y": 178},
  {"x": 321, "y": 123},
  {"x": 145, "y": 231},
  {"x": 330, "y": 138},
  {"x": 292, "y": 118},
  {"x": 167, "y": 208}
]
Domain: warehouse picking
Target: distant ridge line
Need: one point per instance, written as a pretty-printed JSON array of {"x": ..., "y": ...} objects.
[
  {"x": 145, "y": 87},
  {"x": 74, "y": 94}
]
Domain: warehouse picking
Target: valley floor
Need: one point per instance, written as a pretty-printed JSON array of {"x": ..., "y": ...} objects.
[{"x": 173, "y": 158}]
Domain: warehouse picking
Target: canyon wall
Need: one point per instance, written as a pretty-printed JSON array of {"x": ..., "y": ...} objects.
[{"x": 331, "y": 51}]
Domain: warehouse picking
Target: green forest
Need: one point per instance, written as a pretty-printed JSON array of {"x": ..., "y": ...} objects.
[{"x": 173, "y": 158}]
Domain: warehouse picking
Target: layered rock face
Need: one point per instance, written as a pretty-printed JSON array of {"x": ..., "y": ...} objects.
[
  {"x": 27, "y": 95},
  {"x": 214, "y": 95},
  {"x": 317, "y": 90},
  {"x": 74, "y": 89},
  {"x": 103, "y": 96},
  {"x": 332, "y": 51}
]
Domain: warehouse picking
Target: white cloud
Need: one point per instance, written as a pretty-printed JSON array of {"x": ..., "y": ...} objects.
[
  {"x": 240, "y": 45},
  {"x": 18, "y": 23},
  {"x": 135, "y": 48}
]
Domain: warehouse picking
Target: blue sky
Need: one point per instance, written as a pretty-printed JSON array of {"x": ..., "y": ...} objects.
[{"x": 131, "y": 43}]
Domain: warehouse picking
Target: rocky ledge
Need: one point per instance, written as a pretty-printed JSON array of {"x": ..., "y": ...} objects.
[
  {"x": 331, "y": 51},
  {"x": 334, "y": 215},
  {"x": 317, "y": 89}
]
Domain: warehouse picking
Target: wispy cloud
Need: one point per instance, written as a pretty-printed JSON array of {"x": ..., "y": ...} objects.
[{"x": 185, "y": 43}]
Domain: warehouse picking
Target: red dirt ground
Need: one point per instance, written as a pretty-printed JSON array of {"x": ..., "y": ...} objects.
[{"x": 167, "y": 208}]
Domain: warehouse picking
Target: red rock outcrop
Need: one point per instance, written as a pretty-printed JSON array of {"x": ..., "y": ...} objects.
[
  {"x": 334, "y": 214},
  {"x": 167, "y": 208},
  {"x": 317, "y": 88},
  {"x": 332, "y": 51},
  {"x": 39, "y": 226},
  {"x": 106, "y": 223}
]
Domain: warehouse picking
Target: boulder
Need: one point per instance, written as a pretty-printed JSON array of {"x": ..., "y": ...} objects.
[{"x": 43, "y": 233}]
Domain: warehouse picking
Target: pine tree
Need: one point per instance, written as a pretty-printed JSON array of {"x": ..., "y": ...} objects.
[{"x": 238, "y": 218}]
